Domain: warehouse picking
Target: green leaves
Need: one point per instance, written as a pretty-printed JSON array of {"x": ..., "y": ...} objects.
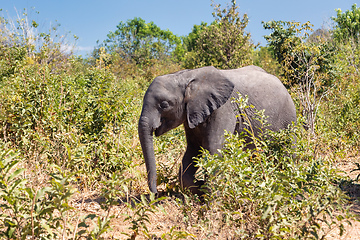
[
  {"x": 29, "y": 211},
  {"x": 12, "y": 58},
  {"x": 138, "y": 41},
  {"x": 268, "y": 194},
  {"x": 141, "y": 215},
  {"x": 223, "y": 44},
  {"x": 307, "y": 65},
  {"x": 348, "y": 24}
]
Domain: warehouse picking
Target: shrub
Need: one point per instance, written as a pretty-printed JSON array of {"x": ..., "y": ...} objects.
[
  {"x": 223, "y": 44},
  {"x": 11, "y": 59},
  {"x": 267, "y": 194},
  {"x": 340, "y": 114},
  {"x": 29, "y": 211}
]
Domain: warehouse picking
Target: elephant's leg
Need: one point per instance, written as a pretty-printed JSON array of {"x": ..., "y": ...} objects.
[{"x": 188, "y": 169}]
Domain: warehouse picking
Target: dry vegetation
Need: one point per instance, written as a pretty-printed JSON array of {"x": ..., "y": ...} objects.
[{"x": 71, "y": 165}]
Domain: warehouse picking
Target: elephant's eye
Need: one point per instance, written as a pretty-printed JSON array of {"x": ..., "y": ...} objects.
[{"x": 164, "y": 104}]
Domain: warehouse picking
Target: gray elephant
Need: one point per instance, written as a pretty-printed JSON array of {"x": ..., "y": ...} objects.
[{"x": 201, "y": 100}]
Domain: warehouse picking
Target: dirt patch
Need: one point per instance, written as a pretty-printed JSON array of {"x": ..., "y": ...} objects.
[
  {"x": 352, "y": 230},
  {"x": 171, "y": 220}
]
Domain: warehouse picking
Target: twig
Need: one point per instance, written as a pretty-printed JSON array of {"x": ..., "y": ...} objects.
[
  {"x": 32, "y": 216},
  {"x": 78, "y": 219}
]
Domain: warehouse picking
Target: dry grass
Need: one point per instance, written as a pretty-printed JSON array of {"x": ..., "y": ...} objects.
[{"x": 176, "y": 217}]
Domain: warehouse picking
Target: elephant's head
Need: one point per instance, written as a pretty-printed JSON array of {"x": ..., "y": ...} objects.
[{"x": 189, "y": 95}]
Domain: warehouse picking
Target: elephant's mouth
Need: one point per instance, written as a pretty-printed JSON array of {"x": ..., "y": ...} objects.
[
  {"x": 163, "y": 128},
  {"x": 157, "y": 132},
  {"x": 160, "y": 130}
]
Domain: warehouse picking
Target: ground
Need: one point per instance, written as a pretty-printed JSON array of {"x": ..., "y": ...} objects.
[
  {"x": 352, "y": 232},
  {"x": 172, "y": 220}
]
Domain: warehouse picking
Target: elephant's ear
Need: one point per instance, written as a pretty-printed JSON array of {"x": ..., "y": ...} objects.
[{"x": 208, "y": 91}]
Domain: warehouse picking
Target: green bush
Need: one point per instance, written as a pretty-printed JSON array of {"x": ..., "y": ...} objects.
[
  {"x": 267, "y": 194},
  {"x": 340, "y": 114},
  {"x": 27, "y": 210},
  {"x": 223, "y": 44},
  {"x": 11, "y": 58},
  {"x": 340, "y": 118}
]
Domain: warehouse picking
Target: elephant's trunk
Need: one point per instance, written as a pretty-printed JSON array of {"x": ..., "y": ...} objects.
[{"x": 146, "y": 139}]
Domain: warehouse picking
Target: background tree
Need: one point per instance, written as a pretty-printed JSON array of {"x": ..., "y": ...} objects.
[
  {"x": 306, "y": 64},
  {"x": 343, "y": 102},
  {"x": 346, "y": 34},
  {"x": 139, "y": 42},
  {"x": 281, "y": 32},
  {"x": 189, "y": 45},
  {"x": 319, "y": 34},
  {"x": 20, "y": 38},
  {"x": 287, "y": 37},
  {"x": 224, "y": 43},
  {"x": 347, "y": 24},
  {"x": 138, "y": 49},
  {"x": 264, "y": 57}
]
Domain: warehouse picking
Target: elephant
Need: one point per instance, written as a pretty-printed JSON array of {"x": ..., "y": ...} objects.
[{"x": 201, "y": 100}]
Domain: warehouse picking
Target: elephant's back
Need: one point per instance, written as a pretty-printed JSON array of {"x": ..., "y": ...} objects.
[
  {"x": 265, "y": 91},
  {"x": 253, "y": 77}
]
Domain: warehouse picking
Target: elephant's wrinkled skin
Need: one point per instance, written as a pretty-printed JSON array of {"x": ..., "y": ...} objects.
[{"x": 201, "y": 100}]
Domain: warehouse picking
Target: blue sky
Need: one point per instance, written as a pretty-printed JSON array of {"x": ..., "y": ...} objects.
[{"x": 92, "y": 20}]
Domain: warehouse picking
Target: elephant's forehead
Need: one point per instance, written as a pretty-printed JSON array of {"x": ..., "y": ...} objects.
[
  {"x": 161, "y": 90},
  {"x": 164, "y": 84},
  {"x": 156, "y": 89}
]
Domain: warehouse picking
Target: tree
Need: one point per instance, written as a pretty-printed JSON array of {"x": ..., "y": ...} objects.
[
  {"x": 21, "y": 40},
  {"x": 223, "y": 44},
  {"x": 281, "y": 32},
  {"x": 138, "y": 41},
  {"x": 348, "y": 24},
  {"x": 287, "y": 37},
  {"x": 264, "y": 57},
  {"x": 189, "y": 42},
  {"x": 306, "y": 64},
  {"x": 346, "y": 34},
  {"x": 320, "y": 34}
]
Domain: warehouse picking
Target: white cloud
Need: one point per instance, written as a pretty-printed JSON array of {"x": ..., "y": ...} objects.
[
  {"x": 67, "y": 48},
  {"x": 84, "y": 49}
]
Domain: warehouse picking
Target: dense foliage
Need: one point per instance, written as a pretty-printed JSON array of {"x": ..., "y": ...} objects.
[
  {"x": 269, "y": 195},
  {"x": 140, "y": 42},
  {"x": 307, "y": 65},
  {"x": 347, "y": 24},
  {"x": 224, "y": 44},
  {"x": 68, "y": 130}
]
